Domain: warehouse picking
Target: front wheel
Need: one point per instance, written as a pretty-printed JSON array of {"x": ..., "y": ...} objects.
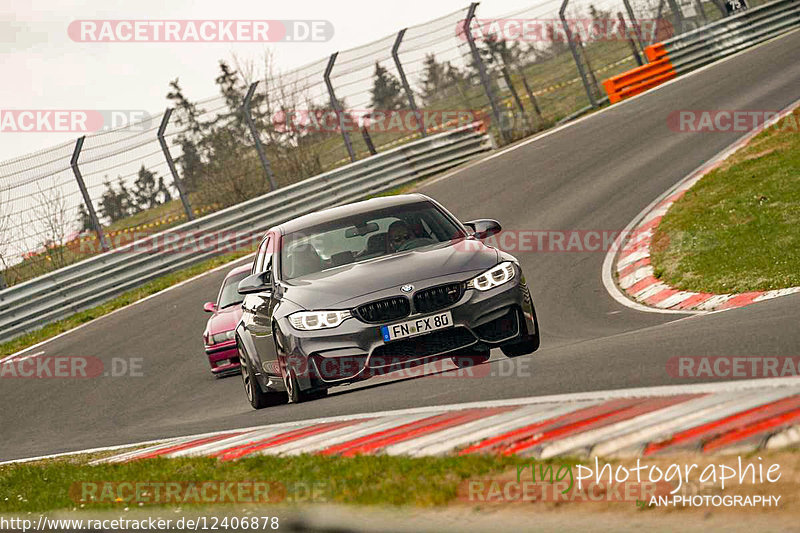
[
  {"x": 527, "y": 343},
  {"x": 293, "y": 390},
  {"x": 258, "y": 399}
]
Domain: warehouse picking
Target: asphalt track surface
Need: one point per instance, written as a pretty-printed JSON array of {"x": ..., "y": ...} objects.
[{"x": 595, "y": 175}]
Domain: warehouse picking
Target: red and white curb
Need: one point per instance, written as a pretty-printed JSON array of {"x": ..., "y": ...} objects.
[
  {"x": 634, "y": 273},
  {"x": 730, "y": 417}
]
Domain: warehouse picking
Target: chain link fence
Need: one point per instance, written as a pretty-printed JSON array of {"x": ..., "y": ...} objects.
[{"x": 518, "y": 74}]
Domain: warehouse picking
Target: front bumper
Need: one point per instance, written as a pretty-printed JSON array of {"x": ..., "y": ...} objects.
[
  {"x": 356, "y": 350},
  {"x": 223, "y": 357}
]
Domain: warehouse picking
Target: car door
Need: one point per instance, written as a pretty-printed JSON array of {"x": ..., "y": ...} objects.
[{"x": 257, "y": 313}]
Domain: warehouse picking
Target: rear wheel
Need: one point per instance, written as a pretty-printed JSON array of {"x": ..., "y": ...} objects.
[{"x": 257, "y": 398}]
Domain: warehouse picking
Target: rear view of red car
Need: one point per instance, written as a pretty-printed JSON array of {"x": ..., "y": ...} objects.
[{"x": 219, "y": 338}]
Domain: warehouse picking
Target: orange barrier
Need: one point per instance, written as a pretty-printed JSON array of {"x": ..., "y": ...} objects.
[{"x": 640, "y": 79}]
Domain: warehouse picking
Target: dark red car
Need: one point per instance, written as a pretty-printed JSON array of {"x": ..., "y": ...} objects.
[{"x": 219, "y": 336}]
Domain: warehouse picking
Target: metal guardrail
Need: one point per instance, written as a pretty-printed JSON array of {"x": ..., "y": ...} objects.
[
  {"x": 61, "y": 293},
  {"x": 728, "y": 36}
]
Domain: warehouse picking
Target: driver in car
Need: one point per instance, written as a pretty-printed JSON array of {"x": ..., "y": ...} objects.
[{"x": 397, "y": 235}]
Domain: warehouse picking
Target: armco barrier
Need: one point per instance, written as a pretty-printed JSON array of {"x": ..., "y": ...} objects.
[
  {"x": 30, "y": 305},
  {"x": 695, "y": 49}
]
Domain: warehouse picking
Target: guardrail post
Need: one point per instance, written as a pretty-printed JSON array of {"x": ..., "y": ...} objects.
[
  {"x": 171, "y": 164},
  {"x": 256, "y": 137},
  {"x": 487, "y": 84},
  {"x": 637, "y": 29},
  {"x": 632, "y": 44},
  {"x": 406, "y": 87},
  {"x": 338, "y": 108},
  {"x": 98, "y": 229},
  {"x": 575, "y": 55}
]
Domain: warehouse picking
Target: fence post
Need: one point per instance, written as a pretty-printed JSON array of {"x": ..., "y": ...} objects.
[
  {"x": 256, "y": 137},
  {"x": 632, "y": 44},
  {"x": 86, "y": 199},
  {"x": 171, "y": 164},
  {"x": 487, "y": 84},
  {"x": 338, "y": 108},
  {"x": 637, "y": 29},
  {"x": 531, "y": 96},
  {"x": 576, "y": 55},
  {"x": 677, "y": 14},
  {"x": 3, "y": 284},
  {"x": 514, "y": 93},
  {"x": 406, "y": 87}
]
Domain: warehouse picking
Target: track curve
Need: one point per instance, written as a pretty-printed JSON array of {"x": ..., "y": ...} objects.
[{"x": 594, "y": 175}]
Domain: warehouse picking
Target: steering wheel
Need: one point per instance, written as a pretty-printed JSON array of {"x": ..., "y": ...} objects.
[{"x": 415, "y": 243}]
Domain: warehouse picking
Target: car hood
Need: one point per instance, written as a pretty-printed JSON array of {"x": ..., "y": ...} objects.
[
  {"x": 224, "y": 319},
  {"x": 351, "y": 284}
]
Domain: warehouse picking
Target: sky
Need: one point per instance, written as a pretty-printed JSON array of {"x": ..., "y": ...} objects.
[{"x": 43, "y": 69}]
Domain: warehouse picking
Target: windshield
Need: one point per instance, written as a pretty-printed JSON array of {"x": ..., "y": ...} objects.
[
  {"x": 365, "y": 236},
  {"x": 229, "y": 294}
]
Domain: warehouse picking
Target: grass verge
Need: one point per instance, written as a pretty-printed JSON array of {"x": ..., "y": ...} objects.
[
  {"x": 126, "y": 298},
  {"x": 738, "y": 228},
  {"x": 362, "y": 480}
]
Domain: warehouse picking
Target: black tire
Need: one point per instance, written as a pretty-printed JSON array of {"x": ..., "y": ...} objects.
[
  {"x": 293, "y": 392},
  {"x": 258, "y": 399},
  {"x": 527, "y": 345},
  {"x": 471, "y": 358}
]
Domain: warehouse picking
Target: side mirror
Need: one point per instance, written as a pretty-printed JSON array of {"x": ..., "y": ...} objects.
[
  {"x": 483, "y": 227},
  {"x": 254, "y": 283},
  {"x": 210, "y": 307}
]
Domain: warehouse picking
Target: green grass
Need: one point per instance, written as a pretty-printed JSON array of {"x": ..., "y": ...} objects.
[
  {"x": 738, "y": 228},
  {"x": 126, "y": 298},
  {"x": 360, "y": 480}
]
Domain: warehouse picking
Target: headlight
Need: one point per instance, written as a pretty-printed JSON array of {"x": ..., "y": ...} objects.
[
  {"x": 309, "y": 320},
  {"x": 502, "y": 273},
  {"x": 222, "y": 337}
]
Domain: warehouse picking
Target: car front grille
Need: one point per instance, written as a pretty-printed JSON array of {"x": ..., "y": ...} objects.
[
  {"x": 423, "y": 346},
  {"x": 384, "y": 310},
  {"x": 435, "y": 298}
]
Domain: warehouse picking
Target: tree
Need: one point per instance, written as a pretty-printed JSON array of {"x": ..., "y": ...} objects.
[
  {"x": 84, "y": 220},
  {"x": 149, "y": 192},
  {"x": 187, "y": 115},
  {"x": 51, "y": 224},
  {"x": 434, "y": 78},
  {"x": 115, "y": 204},
  {"x": 386, "y": 90}
]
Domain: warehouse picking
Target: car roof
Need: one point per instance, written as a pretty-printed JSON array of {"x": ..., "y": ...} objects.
[
  {"x": 342, "y": 211},
  {"x": 239, "y": 270}
]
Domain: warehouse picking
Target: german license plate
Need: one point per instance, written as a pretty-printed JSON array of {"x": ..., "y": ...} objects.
[{"x": 418, "y": 326}]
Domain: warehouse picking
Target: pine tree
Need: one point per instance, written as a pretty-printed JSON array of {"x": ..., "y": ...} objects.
[
  {"x": 434, "y": 78},
  {"x": 84, "y": 220},
  {"x": 386, "y": 90}
]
